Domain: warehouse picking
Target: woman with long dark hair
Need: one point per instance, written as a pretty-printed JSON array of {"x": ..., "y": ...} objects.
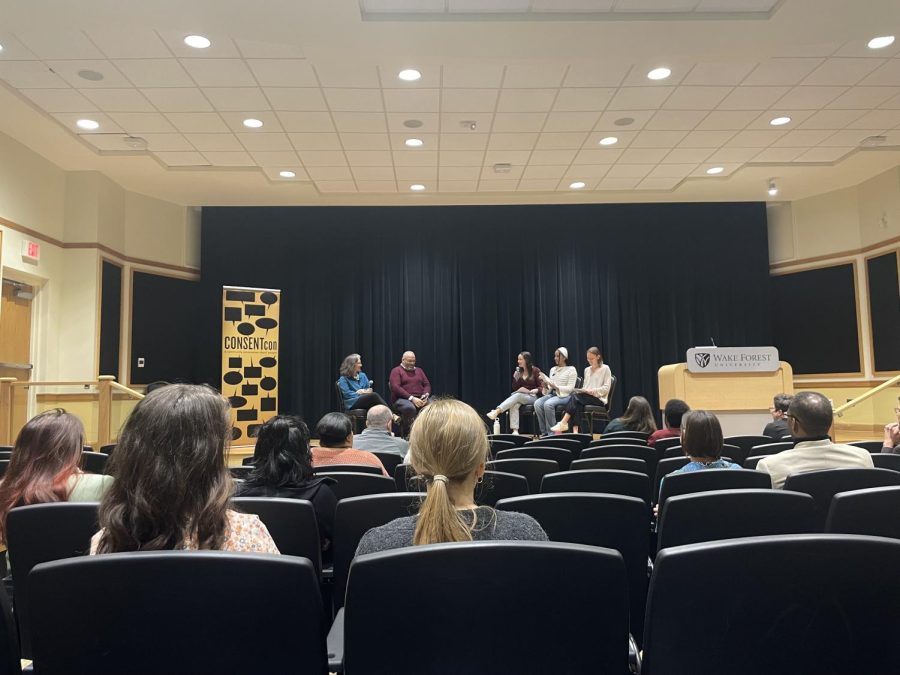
[
  {"x": 44, "y": 466},
  {"x": 172, "y": 488},
  {"x": 638, "y": 417},
  {"x": 525, "y": 387},
  {"x": 282, "y": 467}
]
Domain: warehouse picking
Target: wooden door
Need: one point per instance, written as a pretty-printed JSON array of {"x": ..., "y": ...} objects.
[{"x": 15, "y": 344}]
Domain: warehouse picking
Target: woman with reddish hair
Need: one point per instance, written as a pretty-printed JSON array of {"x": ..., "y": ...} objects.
[{"x": 45, "y": 466}]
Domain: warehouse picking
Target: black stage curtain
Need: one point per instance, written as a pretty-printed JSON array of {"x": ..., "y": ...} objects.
[{"x": 468, "y": 287}]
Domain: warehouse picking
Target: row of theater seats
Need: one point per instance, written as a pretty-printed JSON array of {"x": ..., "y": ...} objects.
[{"x": 785, "y": 602}]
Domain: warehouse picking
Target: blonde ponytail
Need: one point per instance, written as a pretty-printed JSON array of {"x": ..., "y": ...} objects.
[{"x": 438, "y": 520}]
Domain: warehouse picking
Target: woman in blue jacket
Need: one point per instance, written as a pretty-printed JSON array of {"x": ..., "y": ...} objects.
[{"x": 356, "y": 388}]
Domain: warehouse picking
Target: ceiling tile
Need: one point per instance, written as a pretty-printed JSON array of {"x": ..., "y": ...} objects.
[
  {"x": 237, "y": 98},
  {"x": 235, "y": 121},
  {"x": 354, "y": 100},
  {"x": 585, "y": 99},
  {"x": 673, "y": 170},
  {"x": 283, "y": 73},
  {"x": 625, "y": 138},
  {"x": 306, "y": 121},
  {"x": 460, "y": 158},
  {"x": 533, "y": 76},
  {"x": 537, "y": 185},
  {"x": 572, "y": 5},
  {"x": 561, "y": 140},
  {"x": 718, "y": 74},
  {"x": 643, "y": 155},
  {"x": 637, "y": 76},
  {"x": 808, "y": 98},
  {"x": 265, "y": 142},
  {"x": 517, "y": 158},
  {"x": 359, "y": 121},
  {"x": 142, "y": 123},
  {"x": 752, "y": 98},
  {"x": 376, "y": 185},
  {"x": 14, "y": 50},
  {"x": 135, "y": 43},
  {"x": 598, "y": 156},
  {"x": 887, "y": 75},
  {"x": 119, "y": 100},
  {"x": 319, "y": 141},
  {"x": 727, "y": 120},
  {"x": 69, "y": 71},
  {"x": 596, "y": 75},
  {"x": 49, "y": 44},
  {"x": 198, "y": 122},
  {"x": 778, "y": 155},
  {"x": 823, "y": 154},
  {"x": 215, "y": 142},
  {"x": 861, "y": 98},
  {"x": 841, "y": 71},
  {"x": 182, "y": 158},
  {"x": 662, "y": 184},
  {"x": 658, "y": 139},
  {"x": 257, "y": 49},
  {"x": 618, "y": 184},
  {"x": 755, "y": 138},
  {"x": 687, "y": 156},
  {"x": 629, "y": 170},
  {"x": 696, "y": 98},
  {"x": 412, "y": 100},
  {"x": 497, "y": 185},
  {"x": 167, "y": 142},
  {"x": 460, "y": 172},
  {"x": 522, "y": 141},
  {"x": 877, "y": 120},
  {"x": 700, "y": 172},
  {"x": 416, "y": 157},
  {"x": 860, "y": 48},
  {"x": 469, "y": 100},
  {"x": 353, "y": 76},
  {"x": 587, "y": 171},
  {"x": 420, "y": 174},
  {"x": 706, "y": 139},
  {"x": 526, "y": 100},
  {"x": 570, "y": 121},
  {"x": 273, "y": 174},
  {"x": 472, "y": 76},
  {"x": 732, "y": 155},
  {"x": 830, "y": 119},
  {"x": 764, "y": 119},
  {"x": 221, "y": 46},
  {"x": 846, "y": 139},
  {"x": 295, "y": 98},
  {"x": 781, "y": 72},
  {"x": 373, "y": 173},
  {"x": 806, "y": 50},
  {"x": 328, "y": 172},
  {"x": 459, "y": 186},
  {"x": 312, "y": 158},
  {"x": 358, "y": 141},
  {"x": 552, "y": 157},
  {"x": 329, "y": 186},
  {"x": 518, "y": 122},
  {"x": 229, "y": 158},
  {"x": 676, "y": 120},
  {"x": 59, "y": 100},
  {"x": 430, "y": 76},
  {"x": 432, "y": 123},
  {"x": 368, "y": 157},
  {"x": 892, "y": 103},
  {"x": 30, "y": 75},
  {"x": 736, "y": 5},
  {"x": 154, "y": 73},
  {"x": 177, "y": 99},
  {"x": 111, "y": 143},
  {"x": 640, "y": 98},
  {"x": 472, "y": 141},
  {"x": 514, "y": 173},
  {"x": 544, "y": 172},
  {"x": 607, "y": 121},
  {"x": 219, "y": 72}
]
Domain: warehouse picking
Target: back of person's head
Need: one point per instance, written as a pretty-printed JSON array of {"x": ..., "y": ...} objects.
[
  {"x": 334, "y": 429},
  {"x": 812, "y": 411},
  {"x": 701, "y": 435},
  {"x": 447, "y": 444},
  {"x": 782, "y": 402},
  {"x": 674, "y": 411},
  {"x": 639, "y": 415},
  {"x": 282, "y": 456},
  {"x": 171, "y": 484},
  {"x": 47, "y": 452},
  {"x": 378, "y": 417},
  {"x": 348, "y": 365}
]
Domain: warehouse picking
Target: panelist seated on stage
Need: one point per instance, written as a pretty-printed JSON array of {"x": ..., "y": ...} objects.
[
  {"x": 556, "y": 390},
  {"x": 410, "y": 390},
  {"x": 377, "y": 436},
  {"x": 892, "y": 433},
  {"x": 594, "y": 391},
  {"x": 638, "y": 417},
  {"x": 778, "y": 427},
  {"x": 335, "y": 432},
  {"x": 809, "y": 419},
  {"x": 526, "y": 385},
  {"x": 672, "y": 414},
  {"x": 356, "y": 388}
]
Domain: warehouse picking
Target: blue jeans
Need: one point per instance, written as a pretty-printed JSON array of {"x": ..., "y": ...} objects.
[{"x": 545, "y": 411}]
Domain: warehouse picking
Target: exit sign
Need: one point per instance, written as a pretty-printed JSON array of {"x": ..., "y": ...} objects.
[{"x": 31, "y": 251}]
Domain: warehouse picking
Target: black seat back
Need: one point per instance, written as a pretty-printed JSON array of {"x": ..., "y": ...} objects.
[
  {"x": 588, "y": 599},
  {"x": 737, "y": 455},
  {"x": 664, "y": 444},
  {"x": 10, "y": 663},
  {"x": 611, "y": 521},
  {"x": 574, "y": 445},
  {"x": 516, "y": 439},
  {"x": 783, "y": 604},
  {"x": 640, "y": 435},
  {"x": 406, "y": 480},
  {"x": 745, "y": 443},
  {"x": 499, "y": 485},
  {"x": 886, "y": 460},
  {"x": 643, "y": 452},
  {"x": 871, "y": 446},
  {"x": 869, "y": 511},
  {"x": 350, "y": 484},
  {"x": 94, "y": 462},
  {"x": 389, "y": 460},
  {"x": 612, "y": 481},
  {"x": 712, "y": 479},
  {"x": 770, "y": 448},
  {"x": 730, "y": 514},
  {"x": 561, "y": 456},
  {"x": 342, "y": 468},
  {"x": 664, "y": 468},
  {"x": 497, "y": 445},
  {"x": 291, "y": 522},
  {"x": 616, "y": 440},
  {"x": 534, "y": 470},
  {"x": 40, "y": 533},
  {"x": 242, "y": 471},
  {"x": 621, "y": 463},
  {"x": 752, "y": 462},
  {"x": 824, "y": 484},
  {"x": 175, "y": 611}
]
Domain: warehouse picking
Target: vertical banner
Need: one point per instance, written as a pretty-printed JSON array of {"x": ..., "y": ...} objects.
[{"x": 250, "y": 357}]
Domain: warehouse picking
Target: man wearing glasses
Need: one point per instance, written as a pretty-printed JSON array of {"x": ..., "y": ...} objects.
[
  {"x": 778, "y": 427},
  {"x": 809, "y": 418},
  {"x": 892, "y": 433}
]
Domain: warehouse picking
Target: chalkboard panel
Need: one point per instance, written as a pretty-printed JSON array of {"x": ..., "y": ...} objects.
[
  {"x": 814, "y": 320},
  {"x": 110, "y": 319},
  {"x": 884, "y": 309}
]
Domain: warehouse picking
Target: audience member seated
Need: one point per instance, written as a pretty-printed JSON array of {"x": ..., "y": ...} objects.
[
  {"x": 356, "y": 389},
  {"x": 282, "y": 467},
  {"x": 638, "y": 417},
  {"x": 172, "y": 488},
  {"x": 410, "y": 390},
  {"x": 335, "y": 432},
  {"x": 702, "y": 442},
  {"x": 377, "y": 436},
  {"x": 594, "y": 391},
  {"x": 892, "y": 433},
  {"x": 809, "y": 419},
  {"x": 778, "y": 427},
  {"x": 449, "y": 447},
  {"x": 526, "y": 385},
  {"x": 44, "y": 466},
  {"x": 672, "y": 414},
  {"x": 556, "y": 389}
]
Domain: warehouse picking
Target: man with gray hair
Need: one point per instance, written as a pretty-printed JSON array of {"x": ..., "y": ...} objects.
[
  {"x": 377, "y": 436},
  {"x": 809, "y": 418}
]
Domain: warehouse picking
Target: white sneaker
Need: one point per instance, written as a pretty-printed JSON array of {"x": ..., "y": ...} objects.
[
  {"x": 515, "y": 432},
  {"x": 560, "y": 427},
  {"x": 492, "y": 415}
]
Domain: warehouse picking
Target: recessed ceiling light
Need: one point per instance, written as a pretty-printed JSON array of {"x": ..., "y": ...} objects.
[
  {"x": 88, "y": 125},
  {"x": 712, "y": 171},
  {"x": 779, "y": 121},
  {"x": 409, "y": 75},
  {"x": 609, "y": 140},
  {"x": 287, "y": 174},
  {"x": 412, "y": 124},
  {"x": 881, "y": 42},
  {"x": 1, "y": 48},
  {"x": 577, "y": 185},
  {"x": 91, "y": 75},
  {"x": 197, "y": 41},
  {"x": 773, "y": 188},
  {"x": 417, "y": 187},
  {"x": 659, "y": 73},
  {"x": 253, "y": 123},
  {"x": 414, "y": 142}
]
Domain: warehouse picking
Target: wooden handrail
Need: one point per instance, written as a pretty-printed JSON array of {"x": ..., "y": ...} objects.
[
  {"x": 131, "y": 392},
  {"x": 839, "y": 411}
]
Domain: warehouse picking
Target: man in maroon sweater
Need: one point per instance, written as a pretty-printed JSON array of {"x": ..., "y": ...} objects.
[{"x": 410, "y": 390}]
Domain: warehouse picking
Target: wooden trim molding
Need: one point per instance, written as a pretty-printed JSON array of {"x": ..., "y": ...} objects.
[
  {"x": 832, "y": 384},
  {"x": 835, "y": 256}
]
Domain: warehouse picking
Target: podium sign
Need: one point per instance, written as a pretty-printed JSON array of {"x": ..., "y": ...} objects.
[
  {"x": 250, "y": 319},
  {"x": 732, "y": 359}
]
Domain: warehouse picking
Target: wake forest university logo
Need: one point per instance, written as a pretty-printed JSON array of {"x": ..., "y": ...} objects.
[{"x": 702, "y": 359}]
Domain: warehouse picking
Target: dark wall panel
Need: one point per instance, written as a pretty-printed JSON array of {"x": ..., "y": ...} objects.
[
  {"x": 884, "y": 308},
  {"x": 110, "y": 319},
  {"x": 814, "y": 320}
]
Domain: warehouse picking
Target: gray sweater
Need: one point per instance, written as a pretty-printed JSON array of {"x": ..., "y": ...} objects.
[{"x": 491, "y": 525}]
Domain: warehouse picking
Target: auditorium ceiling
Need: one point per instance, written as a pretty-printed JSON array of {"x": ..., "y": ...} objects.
[{"x": 518, "y": 101}]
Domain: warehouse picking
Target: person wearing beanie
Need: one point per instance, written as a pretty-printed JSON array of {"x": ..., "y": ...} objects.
[{"x": 556, "y": 390}]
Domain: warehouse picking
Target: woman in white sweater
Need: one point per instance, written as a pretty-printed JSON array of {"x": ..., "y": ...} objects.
[
  {"x": 594, "y": 391},
  {"x": 556, "y": 389}
]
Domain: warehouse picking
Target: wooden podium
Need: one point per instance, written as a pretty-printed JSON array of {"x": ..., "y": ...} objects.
[{"x": 741, "y": 401}]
